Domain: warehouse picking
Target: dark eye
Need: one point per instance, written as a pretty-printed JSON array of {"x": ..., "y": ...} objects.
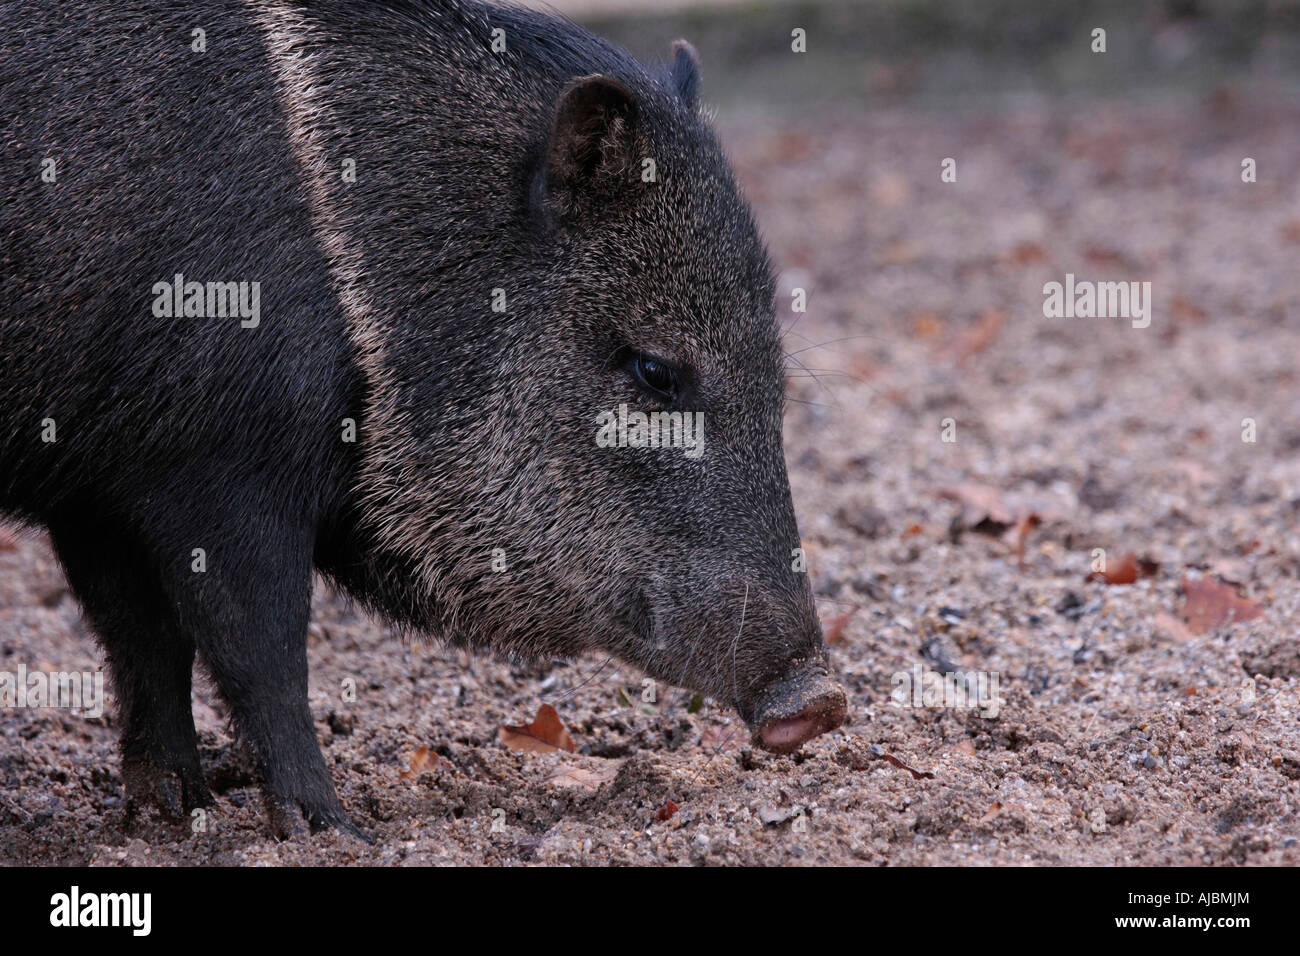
[{"x": 655, "y": 374}]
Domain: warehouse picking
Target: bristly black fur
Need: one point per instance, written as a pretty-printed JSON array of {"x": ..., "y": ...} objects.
[{"x": 476, "y": 170}]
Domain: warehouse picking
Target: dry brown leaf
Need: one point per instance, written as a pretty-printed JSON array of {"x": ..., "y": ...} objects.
[
  {"x": 877, "y": 752},
  {"x": 926, "y": 325},
  {"x": 1233, "y": 571},
  {"x": 665, "y": 813},
  {"x": 835, "y": 626},
  {"x": 898, "y": 253},
  {"x": 985, "y": 511},
  {"x": 1185, "y": 310},
  {"x": 584, "y": 776},
  {"x": 980, "y": 335},
  {"x": 982, "y": 507},
  {"x": 546, "y": 734},
  {"x": 1105, "y": 256},
  {"x": 1027, "y": 253},
  {"x": 1173, "y": 627},
  {"x": 1127, "y": 570},
  {"x": 1211, "y": 604},
  {"x": 423, "y": 759},
  {"x": 1026, "y": 524}
]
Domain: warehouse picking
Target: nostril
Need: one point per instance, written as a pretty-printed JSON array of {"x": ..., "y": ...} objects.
[{"x": 785, "y": 734}]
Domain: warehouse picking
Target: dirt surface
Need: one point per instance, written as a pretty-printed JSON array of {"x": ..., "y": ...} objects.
[{"x": 1125, "y": 733}]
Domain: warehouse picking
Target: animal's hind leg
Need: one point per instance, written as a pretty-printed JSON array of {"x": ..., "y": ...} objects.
[{"x": 150, "y": 659}]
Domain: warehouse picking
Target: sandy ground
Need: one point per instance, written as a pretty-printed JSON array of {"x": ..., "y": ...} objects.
[{"x": 1126, "y": 734}]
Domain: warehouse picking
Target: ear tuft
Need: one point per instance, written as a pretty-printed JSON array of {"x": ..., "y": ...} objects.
[
  {"x": 686, "y": 72},
  {"x": 596, "y": 146}
]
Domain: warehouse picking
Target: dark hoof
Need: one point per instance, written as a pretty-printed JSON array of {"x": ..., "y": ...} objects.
[
  {"x": 173, "y": 792},
  {"x": 290, "y": 819}
]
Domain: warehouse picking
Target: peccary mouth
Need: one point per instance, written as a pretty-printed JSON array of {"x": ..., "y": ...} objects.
[{"x": 797, "y": 709}]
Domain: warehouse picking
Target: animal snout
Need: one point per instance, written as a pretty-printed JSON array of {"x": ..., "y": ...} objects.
[{"x": 798, "y": 708}]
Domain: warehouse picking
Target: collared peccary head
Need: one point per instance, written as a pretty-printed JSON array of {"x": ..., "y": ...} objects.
[{"x": 628, "y": 276}]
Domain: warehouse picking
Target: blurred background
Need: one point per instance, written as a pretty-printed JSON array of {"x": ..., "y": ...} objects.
[{"x": 874, "y": 53}]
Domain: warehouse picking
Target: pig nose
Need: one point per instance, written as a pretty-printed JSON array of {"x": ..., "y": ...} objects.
[{"x": 797, "y": 709}]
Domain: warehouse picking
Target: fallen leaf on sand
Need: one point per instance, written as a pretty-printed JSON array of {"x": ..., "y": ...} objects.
[
  {"x": 980, "y": 335},
  {"x": 422, "y": 759},
  {"x": 1211, "y": 605},
  {"x": 1026, "y": 253},
  {"x": 1233, "y": 571},
  {"x": 775, "y": 816},
  {"x": 1126, "y": 570},
  {"x": 665, "y": 813},
  {"x": 1026, "y": 524},
  {"x": 581, "y": 775},
  {"x": 876, "y": 752},
  {"x": 927, "y": 325},
  {"x": 1185, "y": 310},
  {"x": 1173, "y": 627},
  {"x": 835, "y": 626},
  {"x": 982, "y": 507},
  {"x": 546, "y": 734},
  {"x": 983, "y": 510}
]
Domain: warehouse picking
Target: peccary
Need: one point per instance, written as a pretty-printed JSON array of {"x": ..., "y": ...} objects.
[{"x": 349, "y": 287}]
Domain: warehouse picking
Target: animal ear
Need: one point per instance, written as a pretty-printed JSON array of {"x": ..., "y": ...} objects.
[
  {"x": 686, "y": 72},
  {"x": 596, "y": 148}
]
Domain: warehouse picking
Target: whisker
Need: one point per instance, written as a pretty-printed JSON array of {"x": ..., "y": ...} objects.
[
  {"x": 735, "y": 690},
  {"x": 578, "y": 687},
  {"x": 846, "y": 338},
  {"x": 853, "y": 604},
  {"x": 681, "y": 682},
  {"x": 814, "y": 375}
]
